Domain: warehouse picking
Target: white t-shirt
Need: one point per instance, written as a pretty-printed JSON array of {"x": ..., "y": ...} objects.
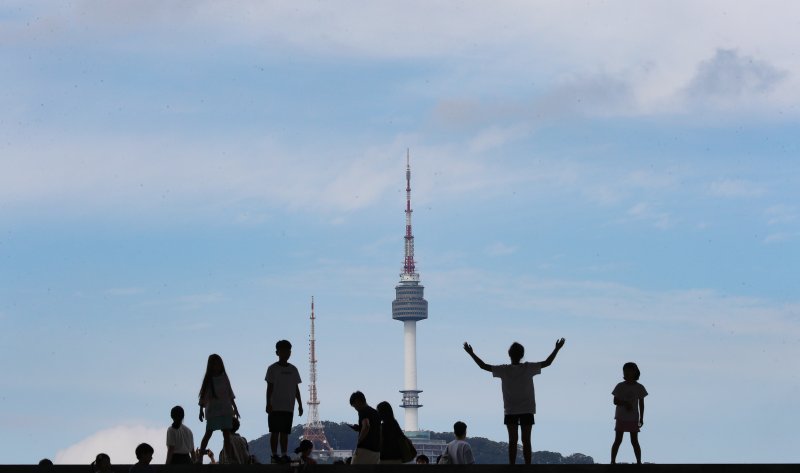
[
  {"x": 460, "y": 452},
  {"x": 630, "y": 392},
  {"x": 180, "y": 439},
  {"x": 284, "y": 381},
  {"x": 517, "y": 384}
]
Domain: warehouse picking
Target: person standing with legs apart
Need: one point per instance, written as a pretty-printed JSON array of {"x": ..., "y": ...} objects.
[
  {"x": 519, "y": 401},
  {"x": 283, "y": 389},
  {"x": 629, "y": 398},
  {"x": 217, "y": 405}
]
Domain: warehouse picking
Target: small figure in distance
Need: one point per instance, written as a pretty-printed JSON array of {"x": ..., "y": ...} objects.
[
  {"x": 393, "y": 441},
  {"x": 458, "y": 452},
  {"x": 283, "y": 388},
  {"x": 629, "y": 398},
  {"x": 423, "y": 460},
  {"x": 368, "y": 448},
  {"x": 144, "y": 455},
  {"x": 305, "y": 449},
  {"x": 217, "y": 404},
  {"x": 180, "y": 441},
  {"x": 519, "y": 399},
  {"x": 102, "y": 463},
  {"x": 45, "y": 462}
]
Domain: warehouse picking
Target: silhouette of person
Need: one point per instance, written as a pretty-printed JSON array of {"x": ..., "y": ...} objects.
[
  {"x": 144, "y": 455},
  {"x": 45, "y": 462},
  {"x": 102, "y": 463},
  {"x": 283, "y": 388},
  {"x": 369, "y": 432},
  {"x": 459, "y": 451},
  {"x": 239, "y": 444},
  {"x": 629, "y": 398},
  {"x": 217, "y": 404},
  {"x": 180, "y": 441},
  {"x": 519, "y": 401},
  {"x": 423, "y": 460},
  {"x": 305, "y": 449},
  {"x": 392, "y": 437}
]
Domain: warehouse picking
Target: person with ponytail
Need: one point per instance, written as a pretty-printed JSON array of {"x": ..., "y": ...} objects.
[{"x": 180, "y": 441}]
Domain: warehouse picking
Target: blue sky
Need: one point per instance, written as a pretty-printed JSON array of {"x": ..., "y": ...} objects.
[{"x": 179, "y": 179}]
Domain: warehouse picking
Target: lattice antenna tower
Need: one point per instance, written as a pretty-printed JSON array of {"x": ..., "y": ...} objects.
[{"x": 314, "y": 430}]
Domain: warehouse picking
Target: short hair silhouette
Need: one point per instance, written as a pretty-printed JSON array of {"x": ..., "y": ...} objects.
[
  {"x": 516, "y": 351},
  {"x": 45, "y": 462},
  {"x": 460, "y": 429},
  {"x": 357, "y": 396},
  {"x": 283, "y": 344},
  {"x": 633, "y": 369},
  {"x": 144, "y": 449},
  {"x": 423, "y": 459}
]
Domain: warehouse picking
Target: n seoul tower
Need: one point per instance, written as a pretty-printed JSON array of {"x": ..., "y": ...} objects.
[{"x": 409, "y": 307}]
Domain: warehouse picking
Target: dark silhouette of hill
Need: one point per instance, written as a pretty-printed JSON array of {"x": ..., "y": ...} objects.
[{"x": 342, "y": 437}]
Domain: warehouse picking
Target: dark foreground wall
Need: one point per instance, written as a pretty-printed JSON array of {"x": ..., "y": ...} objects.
[{"x": 672, "y": 468}]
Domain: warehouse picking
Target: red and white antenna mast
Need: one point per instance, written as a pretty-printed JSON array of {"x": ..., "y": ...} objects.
[
  {"x": 314, "y": 430},
  {"x": 409, "y": 267}
]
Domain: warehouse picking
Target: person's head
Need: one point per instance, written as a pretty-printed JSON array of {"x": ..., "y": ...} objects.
[
  {"x": 385, "y": 411},
  {"x": 45, "y": 462},
  {"x": 423, "y": 460},
  {"x": 305, "y": 448},
  {"x": 102, "y": 462},
  {"x": 630, "y": 372},
  {"x": 177, "y": 415},
  {"x": 144, "y": 453},
  {"x": 460, "y": 429},
  {"x": 215, "y": 366},
  {"x": 358, "y": 400},
  {"x": 516, "y": 351},
  {"x": 284, "y": 350},
  {"x": 235, "y": 424}
]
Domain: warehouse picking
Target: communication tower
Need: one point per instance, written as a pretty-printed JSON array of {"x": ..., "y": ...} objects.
[
  {"x": 409, "y": 307},
  {"x": 314, "y": 430}
]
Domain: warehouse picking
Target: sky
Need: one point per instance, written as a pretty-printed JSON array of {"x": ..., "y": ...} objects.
[{"x": 180, "y": 178}]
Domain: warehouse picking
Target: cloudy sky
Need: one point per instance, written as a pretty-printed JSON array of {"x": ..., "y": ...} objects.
[{"x": 179, "y": 178}]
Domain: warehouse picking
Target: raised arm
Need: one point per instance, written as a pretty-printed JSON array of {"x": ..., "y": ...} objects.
[
  {"x": 549, "y": 361},
  {"x": 476, "y": 358}
]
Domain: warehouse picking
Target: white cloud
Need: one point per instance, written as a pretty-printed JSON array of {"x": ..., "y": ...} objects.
[
  {"x": 735, "y": 188},
  {"x": 645, "y": 211},
  {"x": 500, "y": 249},
  {"x": 118, "y": 442},
  {"x": 781, "y": 214}
]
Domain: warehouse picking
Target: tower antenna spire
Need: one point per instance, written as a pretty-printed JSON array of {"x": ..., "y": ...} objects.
[
  {"x": 314, "y": 430},
  {"x": 409, "y": 266}
]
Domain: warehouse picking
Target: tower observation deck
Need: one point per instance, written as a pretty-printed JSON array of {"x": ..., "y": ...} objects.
[{"x": 409, "y": 307}]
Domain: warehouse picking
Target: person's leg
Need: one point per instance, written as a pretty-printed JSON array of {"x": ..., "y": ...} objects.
[
  {"x": 512, "y": 443},
  {"x": 284, "y": 437},
  {"x": 637, "y": 450},
  {"x": 204, "y": 445},
  {"x": 273, "y": 443},
  {"x": 615, "y": 446},
  {"x": 227, "y": 446},
  {"x": 526, "y": 442}
]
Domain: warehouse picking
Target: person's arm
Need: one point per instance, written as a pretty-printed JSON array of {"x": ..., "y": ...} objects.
[
  {"x": 170, "y": 450},
  {"x": 362, "y": 433},
  {"x": 620, "y": 402},
  {"x": 549, "y": 361},
  {"x": 476, "y": 358},
  {"x": 299, "y": 401},
  {"x": 468, "y": 458},
  {"x": 641, "y": 411},
  {"x": 201, "y": 413},
  {"x": 270, "y": 389}
]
